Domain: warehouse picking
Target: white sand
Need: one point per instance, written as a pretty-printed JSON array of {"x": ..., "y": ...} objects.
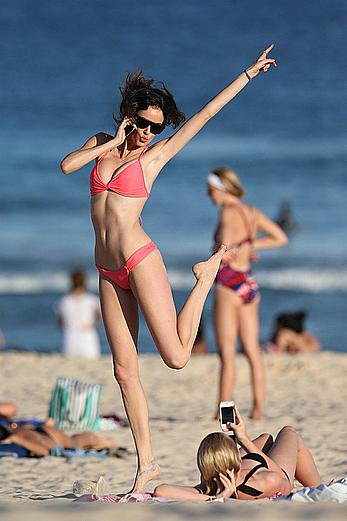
[{"x": 306, "y": 391}]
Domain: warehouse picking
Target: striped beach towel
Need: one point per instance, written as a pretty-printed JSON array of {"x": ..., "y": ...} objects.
[{"x": 75, "y": 404}]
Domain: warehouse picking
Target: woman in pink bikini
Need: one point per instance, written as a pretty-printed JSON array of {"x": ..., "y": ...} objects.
[
  {"x": 236, "y": 296},
  {"x": 131, "y": 269}
]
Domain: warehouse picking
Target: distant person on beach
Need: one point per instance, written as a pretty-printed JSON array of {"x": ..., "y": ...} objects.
[
  {"x": 285, "y": 219},
  {"x": 131, "y": 269},
  {"x": 237, "y": 296},
  {"x": 2, "y": 340},
  {"x": 78, "y": 314},
  {"x": 40, "y": 439},
  {"x": 261, "y": 468},
  {"x": 289, "y": 335}
]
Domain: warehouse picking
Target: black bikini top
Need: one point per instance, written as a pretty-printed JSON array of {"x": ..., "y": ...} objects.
[{"x": 246, "y": 489}]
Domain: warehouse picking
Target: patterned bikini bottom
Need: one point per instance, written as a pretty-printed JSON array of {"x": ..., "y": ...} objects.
[{"x": 242, "y": 282}]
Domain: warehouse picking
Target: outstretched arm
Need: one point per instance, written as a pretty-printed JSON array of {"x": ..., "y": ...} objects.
[
  {"x": 179, "y": 492},
  {"x": 175, "y": 143}
]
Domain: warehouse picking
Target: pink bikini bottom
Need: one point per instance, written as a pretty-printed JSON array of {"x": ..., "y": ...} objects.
[{"x": 121, "y": 276}]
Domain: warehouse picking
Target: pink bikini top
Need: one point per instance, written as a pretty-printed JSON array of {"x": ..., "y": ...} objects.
[{"x": 130, "y": 182}]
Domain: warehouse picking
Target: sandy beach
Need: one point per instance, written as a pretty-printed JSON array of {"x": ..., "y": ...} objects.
[{"x": 306, "y": 391}]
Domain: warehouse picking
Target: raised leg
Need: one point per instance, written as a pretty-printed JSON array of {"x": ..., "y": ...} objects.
[
  {"x": 249, "y": 334},
  {"x": 226, "y": 310},
  {"x": 120, "y": 316},
  {"x": 173, "y": 336},
  {"x": 291, "y": 454}
]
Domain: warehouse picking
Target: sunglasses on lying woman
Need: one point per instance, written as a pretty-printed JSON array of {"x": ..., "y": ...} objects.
[{"x": 155, "y": 128}]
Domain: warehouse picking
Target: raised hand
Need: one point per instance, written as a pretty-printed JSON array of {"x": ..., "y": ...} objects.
[
  {"x": 262, "y": 64},
  {"x": 239, "y": 426}
]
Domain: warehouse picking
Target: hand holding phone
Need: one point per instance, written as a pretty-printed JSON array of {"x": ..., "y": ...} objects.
[
  {"x": 226, "y": 414},
  {"x": 129, "y": 129},
  {"x": 236, "y": 427}
]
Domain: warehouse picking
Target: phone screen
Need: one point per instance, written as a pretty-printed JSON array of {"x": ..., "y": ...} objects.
[{"x": 228, "y": 415}]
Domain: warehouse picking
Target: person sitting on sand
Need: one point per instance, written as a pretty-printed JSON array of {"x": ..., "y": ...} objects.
[
  {"x": 261, "y": 468},
  {"x": 289, "y": 335},
  {"x": 39, "y": 440}
]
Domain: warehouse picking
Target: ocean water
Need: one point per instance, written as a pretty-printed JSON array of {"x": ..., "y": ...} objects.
[{"x": 285, "y": 135}]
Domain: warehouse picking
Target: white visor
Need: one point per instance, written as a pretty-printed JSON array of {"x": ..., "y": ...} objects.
[{"x": 214, "y": 180}]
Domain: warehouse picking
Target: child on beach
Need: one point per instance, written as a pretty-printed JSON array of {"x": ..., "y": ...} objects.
[{"x": 261, "y": 468}]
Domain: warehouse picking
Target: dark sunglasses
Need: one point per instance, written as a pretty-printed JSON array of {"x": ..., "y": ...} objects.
[{"x": 156, "y": 128}]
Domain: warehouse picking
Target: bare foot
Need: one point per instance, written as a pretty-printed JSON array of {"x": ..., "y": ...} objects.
[
  {"x": 145, "y": 475},
  {"x": 257, "y": 415},
  {"x": 207, "y": 270}
]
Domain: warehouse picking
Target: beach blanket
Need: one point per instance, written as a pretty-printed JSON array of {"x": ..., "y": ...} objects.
[
  {"x": 17, "y": 451},
  {"x": 336, "y": 492},
  {"x": 125, "y": 498}
]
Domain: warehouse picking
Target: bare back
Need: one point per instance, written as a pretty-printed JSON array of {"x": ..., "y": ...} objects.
[{"x": 237, "y": 228}]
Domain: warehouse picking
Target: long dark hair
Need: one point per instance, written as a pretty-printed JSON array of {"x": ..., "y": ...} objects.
[{"x": 139, "y": 93}]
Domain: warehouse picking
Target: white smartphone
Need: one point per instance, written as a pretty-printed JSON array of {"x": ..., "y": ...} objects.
[{"x": 226, "y": 414}]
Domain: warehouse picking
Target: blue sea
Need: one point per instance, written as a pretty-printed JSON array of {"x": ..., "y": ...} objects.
[{"x": 285, "y": 134}]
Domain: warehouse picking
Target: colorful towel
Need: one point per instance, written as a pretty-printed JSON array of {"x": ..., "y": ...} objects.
[
  {"x": 336, "y": 493},
  {"x": 126, "y": 498}
]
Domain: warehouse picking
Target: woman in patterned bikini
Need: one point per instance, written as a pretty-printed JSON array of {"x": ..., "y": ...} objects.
[{"x": 237, "y": 297}]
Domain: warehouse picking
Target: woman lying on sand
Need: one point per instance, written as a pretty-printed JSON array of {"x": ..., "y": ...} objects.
[
  {"x": 262, "y": 468},
  {"x": 39, "y": 440}
]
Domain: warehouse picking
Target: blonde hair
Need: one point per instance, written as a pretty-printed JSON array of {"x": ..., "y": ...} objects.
[
  {"x": 230, "y": 181},
  {"x": 217, "y": 453}
]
